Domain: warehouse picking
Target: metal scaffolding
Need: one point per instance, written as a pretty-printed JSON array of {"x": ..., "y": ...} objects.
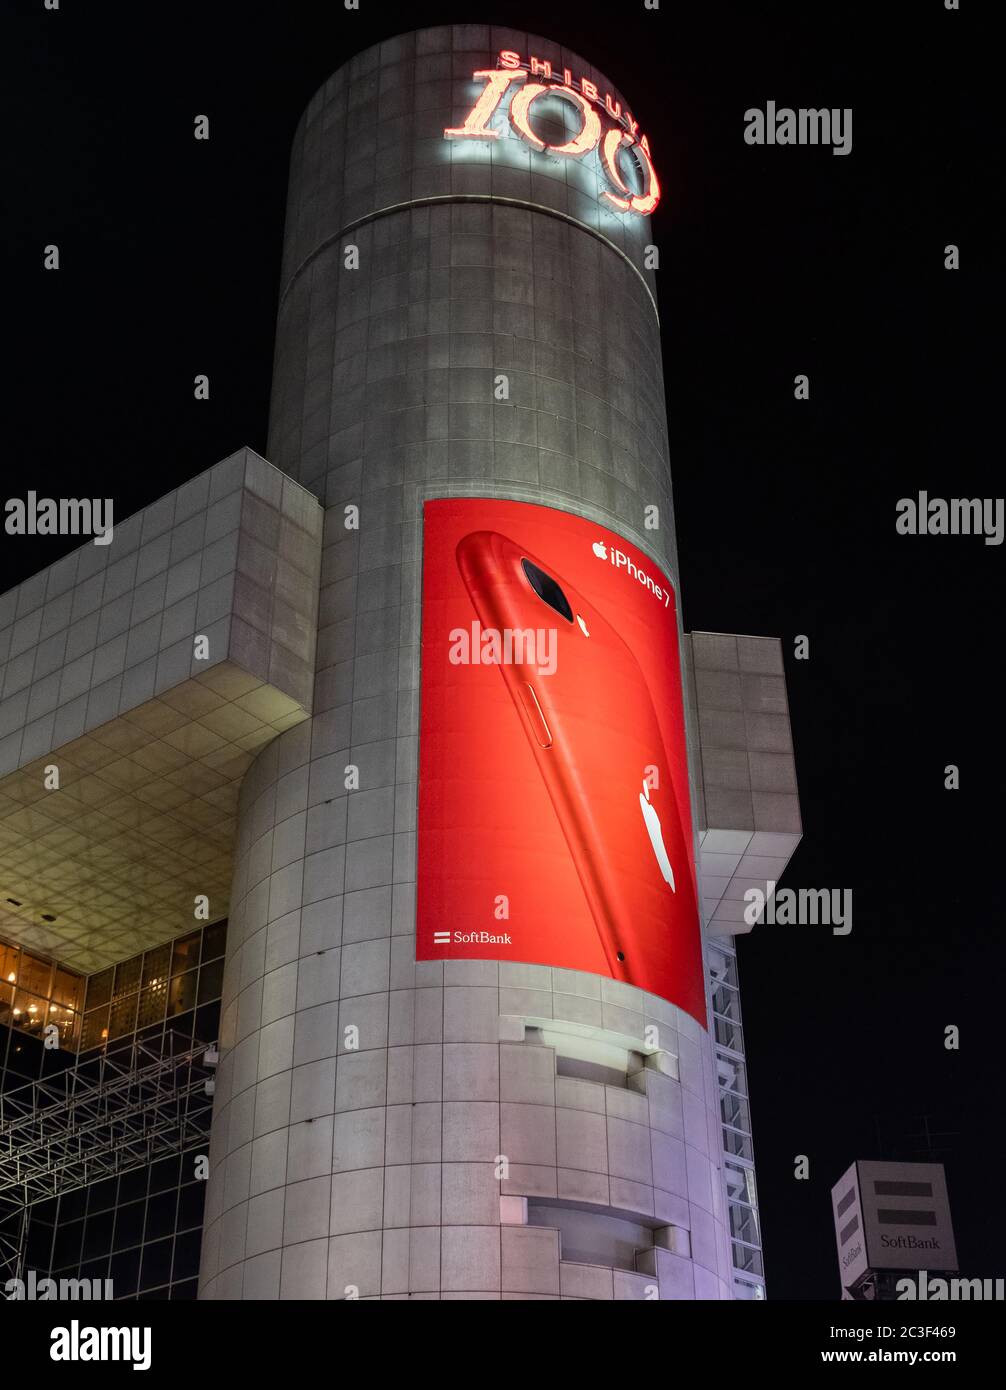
[{"x": 123, "y": 1109}]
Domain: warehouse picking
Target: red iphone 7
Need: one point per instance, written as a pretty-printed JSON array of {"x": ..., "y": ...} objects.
[{"x": 589, "y": 718}]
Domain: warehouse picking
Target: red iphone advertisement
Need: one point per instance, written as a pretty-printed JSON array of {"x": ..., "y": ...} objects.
[{"x": 554, "y": 815}]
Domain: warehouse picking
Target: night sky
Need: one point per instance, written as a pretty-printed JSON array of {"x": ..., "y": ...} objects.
[{"x": 774, "y": 261}]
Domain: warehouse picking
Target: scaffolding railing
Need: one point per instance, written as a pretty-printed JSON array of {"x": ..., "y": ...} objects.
[
  {"x": 122, "y": 1109},
  {"x": 13, "y": 1220}
]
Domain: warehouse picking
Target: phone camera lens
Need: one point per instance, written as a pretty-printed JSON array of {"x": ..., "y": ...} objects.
[{"x": 547, "y": 589}]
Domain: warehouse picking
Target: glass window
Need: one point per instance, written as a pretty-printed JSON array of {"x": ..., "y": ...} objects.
[
  {"x": 734, "y": 1112},
  {"x": 182, "y": 994},
  {"x": 29, "y": 1012},
  {"x": 737, "y": 1144},
  {"x": 156, "y": 1264},
  {"x": 129, "y": 1225},
  {"x": 187, "y": 1251},
  {"x": 722, "y": 966},
  {"x": 8, "y": 963},
  {"x": 154, "y": 995},
  {"x": 38, "y": 1244},
  {"x": 208, "y": 1022},
  {"x": 728, "y": 1034},
  {"x": 133, "y": 1185},
  {"x": 9, "y": 976},
  {"x": 24, "y": 1058},
  {"x": 98, "y": 1234},
  {"x": 214, "y": 940},
  {"x": 732, "y": 1074},
  {"x": 164, "y": 1174},
  {"x": 748, "y": 1291},
  {"x": 740, "y": 1183},
  {"x": 35, "y": 974},
  {"x": 6, "y": 1002},
  {"x": 127, "y": 977},
  {"x": 743, "y": 1222},
  {"x": 190, "y": 1205},
  {"x": 72, "y": 1205},
  {"x": 94, "y": 1269},
  {"x": 211, "y": 981},
  {"x": 99, "y": 989},
  {"x": 68, "y": 989},
  {"x": 101, "y": 1196},
  {"x": 66, "y": 1247},
  {"x": 123, "y": 1016},
  {"x": 69, "y": 1027},
  {"x": 152, "y": 1001},
  {"x": 161, "y": 1214},
  {"x": 726, "y": 1001},
  {"x": 156, "y": 965},
  {"x": 747, "y": 1259},
  {"x": 125, "y": 1271},
  {"x": 185, "y": 953},
  {"x": 178, "y": 1033},
  {"x": 94, "y": 1030},
  {"x": 152, "y": 1037}
]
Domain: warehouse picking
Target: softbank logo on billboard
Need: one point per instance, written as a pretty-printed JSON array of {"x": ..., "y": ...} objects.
[
  {"x": 467, "y": 938},
  {"x": 621, "y": 145},
  {"x": 621, "y": 561}
]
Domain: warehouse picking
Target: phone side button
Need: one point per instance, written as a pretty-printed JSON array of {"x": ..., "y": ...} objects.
[{"x": 538, "y": 721}]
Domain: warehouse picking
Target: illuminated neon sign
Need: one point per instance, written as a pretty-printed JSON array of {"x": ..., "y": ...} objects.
[{"x": 509, "y": 80}]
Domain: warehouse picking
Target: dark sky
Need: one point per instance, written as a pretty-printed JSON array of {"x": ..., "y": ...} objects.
[{"x": 774, "y": 261}]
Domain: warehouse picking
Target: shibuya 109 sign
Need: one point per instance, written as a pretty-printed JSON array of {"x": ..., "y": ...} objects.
[{"x": 604, "y": 126}]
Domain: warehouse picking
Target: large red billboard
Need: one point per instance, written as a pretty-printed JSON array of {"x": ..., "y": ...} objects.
[{"x": 554, "y": 814}]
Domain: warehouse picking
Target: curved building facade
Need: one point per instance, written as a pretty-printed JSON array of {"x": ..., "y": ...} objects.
[{"x": 468, "y": 314}]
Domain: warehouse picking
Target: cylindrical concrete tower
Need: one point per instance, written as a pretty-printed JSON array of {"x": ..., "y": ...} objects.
[{"x": 364, "y": 1099}]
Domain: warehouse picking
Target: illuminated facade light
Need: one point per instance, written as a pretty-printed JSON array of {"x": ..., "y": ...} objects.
[
  {"x": 476, "y": 122},
  {"x": 499, "y": 84},
  {"x": 633, "y": 202},
  {"x": 590, "y": 131}
]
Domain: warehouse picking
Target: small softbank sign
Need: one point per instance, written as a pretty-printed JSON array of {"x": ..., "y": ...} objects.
[{"x": 891, "y": 1216}]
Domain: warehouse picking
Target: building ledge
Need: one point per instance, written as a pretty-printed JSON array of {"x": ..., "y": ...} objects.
[
  {"x": 149, "y": 730},
  {"x": 749, "y": 806}
]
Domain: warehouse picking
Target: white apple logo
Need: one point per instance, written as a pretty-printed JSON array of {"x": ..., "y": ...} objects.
[
  {"x": 656, "y": 838},
  {"x": 600, "y": 550}
]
